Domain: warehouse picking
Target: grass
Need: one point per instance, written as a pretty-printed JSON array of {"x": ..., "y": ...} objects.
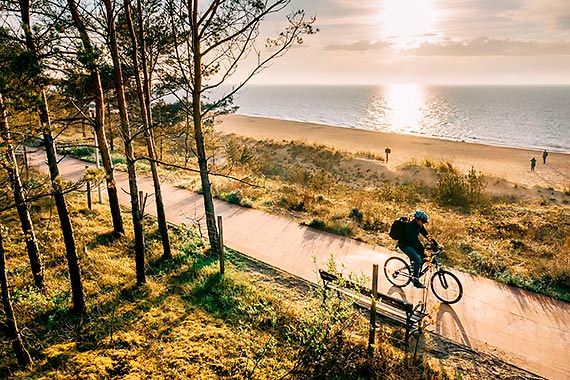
[
  {"x": 187, "y": 321},
  {"x": 351, "y": 199},
  {"x": 321, "y": 187}
]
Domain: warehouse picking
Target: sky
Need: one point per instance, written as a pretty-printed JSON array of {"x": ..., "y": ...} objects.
[{"x": 428, "y": 42}]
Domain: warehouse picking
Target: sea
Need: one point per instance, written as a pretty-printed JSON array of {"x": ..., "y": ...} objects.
[{"x": 535, "y": 117}]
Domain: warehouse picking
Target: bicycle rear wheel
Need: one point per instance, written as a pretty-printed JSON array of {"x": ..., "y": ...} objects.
[
  {"x": 446, "y": 287},
  {"x": 397, "y": 272}
]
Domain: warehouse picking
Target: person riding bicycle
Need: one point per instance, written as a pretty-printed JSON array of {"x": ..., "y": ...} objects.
[{"x": 411, "y": 245}]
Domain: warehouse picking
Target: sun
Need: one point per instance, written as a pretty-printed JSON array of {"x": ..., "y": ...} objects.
[{"x": 407, "y": 21}]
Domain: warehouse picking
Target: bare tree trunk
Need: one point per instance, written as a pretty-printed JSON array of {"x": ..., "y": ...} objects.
[
  {"x": 127, "y": 139},
  {"x": 22, "y": 354},
  {"x": 56, "y": 180},
  {"x": 21, "y": 202},
  {"x": 99, "y": 122},
  {"x": 64, "y": 219},
  {"x": 213, "y": 235},
  {"x": 144, "y": 102}
]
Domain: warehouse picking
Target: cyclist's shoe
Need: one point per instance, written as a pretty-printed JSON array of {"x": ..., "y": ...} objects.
[{"x": 418, "y": 284}]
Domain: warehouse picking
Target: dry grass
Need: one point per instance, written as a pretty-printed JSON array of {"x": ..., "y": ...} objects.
[
  {"x": 507, "y": 238},
  {"x": 187, "y": 322},
  {"x": 510, "y": 237}
]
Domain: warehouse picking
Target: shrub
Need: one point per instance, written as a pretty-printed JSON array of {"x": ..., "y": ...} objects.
[
  {"x": 338, "y": 227},
  {"x": 118, "y": 159},
  {"x": 356, "y": 215},
  {"x": 292, "y": 201},
  {"x": 451, "y": 190},
  {"x": 475, "y": 186},
  {"x": 318, "y": 224},
  {"x": 234, "y": 197},
  {"x": 81, "y": 152}
]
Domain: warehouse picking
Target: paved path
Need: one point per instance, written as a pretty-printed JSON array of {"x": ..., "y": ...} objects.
[{"x": 529, "y": 330}]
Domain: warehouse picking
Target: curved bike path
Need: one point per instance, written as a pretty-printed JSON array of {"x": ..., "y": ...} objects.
[{"x": 523, "y": 328}]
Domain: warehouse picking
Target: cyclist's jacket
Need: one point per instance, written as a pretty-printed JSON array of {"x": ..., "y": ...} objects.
[{"x": 410, "y": 237}]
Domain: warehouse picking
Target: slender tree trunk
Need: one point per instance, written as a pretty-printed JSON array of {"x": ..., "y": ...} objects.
[
  {"x": 99, "y": 122},
  {"x": 56, "y": 180},
  {"x": 22, "y": 354},
  {"x": 114, "y": 206},
  {"x": 127, "y": 139},
  {"x": 21, "y": 202},
  {"x": 213, "y": 235},
  {"x": 143, "y": 95},
  {"x": 63, "y": 213}
]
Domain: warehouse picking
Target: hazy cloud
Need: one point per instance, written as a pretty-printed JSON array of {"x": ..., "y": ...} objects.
[
  {"x": 483, "y": 46},
  {"x": 552, "y": 13},
  {"x": 360, "y": 46}
]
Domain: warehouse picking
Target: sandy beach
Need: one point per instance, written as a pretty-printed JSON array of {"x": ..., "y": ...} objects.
[{"x": 511, "y": 164}]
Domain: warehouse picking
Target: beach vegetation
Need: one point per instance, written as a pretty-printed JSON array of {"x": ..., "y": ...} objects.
[
  {"x": 187, "y": 321},
  {"x": 497, "y": 236},
  {"x": 451, "y": 190},
  {"x": 485, "y": 234}
]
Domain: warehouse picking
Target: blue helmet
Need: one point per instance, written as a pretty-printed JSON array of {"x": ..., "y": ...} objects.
[{"x": 420, "y": 215}]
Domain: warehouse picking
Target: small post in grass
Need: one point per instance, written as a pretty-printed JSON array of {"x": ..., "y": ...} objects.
[
  {"x": 221, "y": 229},
  {"x": 88, "y": 191},
  {"x": 26, "y": 164},
  {"x": 372, "y": 332}
]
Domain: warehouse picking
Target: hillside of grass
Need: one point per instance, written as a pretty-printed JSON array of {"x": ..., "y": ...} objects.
[
  {"x": 188, "y": 322},
  {"x": 503, "y": 231},
  {"x": 490, "y": 227}
]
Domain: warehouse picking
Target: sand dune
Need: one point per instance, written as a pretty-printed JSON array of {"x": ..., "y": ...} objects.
[{"x": 511, "y": 164}]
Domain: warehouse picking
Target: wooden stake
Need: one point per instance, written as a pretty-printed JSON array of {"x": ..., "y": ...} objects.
[
  {"x": 221, "y": 230},
  {"x": 372, "y": 333},
  {"x": 88, "y": 192}
]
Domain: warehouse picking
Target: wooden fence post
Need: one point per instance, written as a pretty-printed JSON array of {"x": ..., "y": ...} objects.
[
  {"x": 26, "y": 164},
  {"x": 89, "y": 192},
  {"x": 221, "y": 230},
  {"x": 372, "y": 332}
]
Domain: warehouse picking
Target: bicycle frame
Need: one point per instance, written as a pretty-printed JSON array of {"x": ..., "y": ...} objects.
[{"x": 431, "y": 263}]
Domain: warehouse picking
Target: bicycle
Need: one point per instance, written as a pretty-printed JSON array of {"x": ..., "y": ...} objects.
[{"x": 444, "y": 284}]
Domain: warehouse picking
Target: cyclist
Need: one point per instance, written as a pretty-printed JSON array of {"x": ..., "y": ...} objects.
[{"x": 411, "y": 245}]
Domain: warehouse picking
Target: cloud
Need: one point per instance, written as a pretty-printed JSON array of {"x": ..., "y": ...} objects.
[
  {"x": 554, "y": 14},
  {"x": 483, "y": 46},
  {"x": 363, "y": 45}
]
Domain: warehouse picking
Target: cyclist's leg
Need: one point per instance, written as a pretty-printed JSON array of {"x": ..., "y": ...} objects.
[{"x": 416, "y": 260}]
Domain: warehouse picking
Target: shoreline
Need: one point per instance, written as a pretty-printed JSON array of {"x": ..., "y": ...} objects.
[
  {"x": 503, "y": 162},
  {"x": 473, "y": 141}
]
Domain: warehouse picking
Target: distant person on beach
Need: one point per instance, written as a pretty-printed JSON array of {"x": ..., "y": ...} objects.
[
  {"x": 532, "y": 164},
  {"x": 544, "y": 155},
  {"x": 387, "y": 151}
]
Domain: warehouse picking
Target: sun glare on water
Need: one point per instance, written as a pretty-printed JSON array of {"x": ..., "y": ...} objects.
[
  {"x": 406, "y": 22},
  {"x": 398, "y": 108},
  {"x": 405, "y": 107}
]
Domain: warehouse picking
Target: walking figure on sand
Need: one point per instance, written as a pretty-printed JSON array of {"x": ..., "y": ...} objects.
[
  {"x": 544, "y": 155},
  {"x": 532, "y": 164}
]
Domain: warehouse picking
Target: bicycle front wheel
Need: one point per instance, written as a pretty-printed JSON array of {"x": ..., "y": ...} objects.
[
  {"x": 446, "y": 287},
  {"x": 397, "y": 272}
]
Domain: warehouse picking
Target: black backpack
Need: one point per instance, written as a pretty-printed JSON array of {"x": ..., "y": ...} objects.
[{"x": 397, "y": 228}]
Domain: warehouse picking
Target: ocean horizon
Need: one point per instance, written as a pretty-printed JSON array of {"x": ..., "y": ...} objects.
[{"x": 533, "y": 117}]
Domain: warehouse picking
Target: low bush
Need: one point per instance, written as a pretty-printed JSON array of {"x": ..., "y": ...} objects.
[{"x": 451, "y": 190}]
